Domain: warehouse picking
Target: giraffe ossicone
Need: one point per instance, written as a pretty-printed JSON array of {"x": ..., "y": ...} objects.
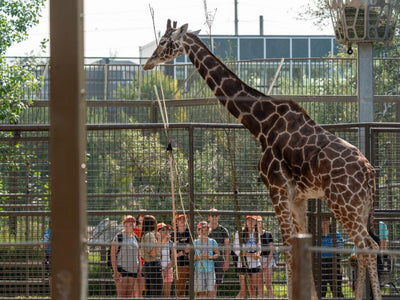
[{"x": 300, "y": 160}]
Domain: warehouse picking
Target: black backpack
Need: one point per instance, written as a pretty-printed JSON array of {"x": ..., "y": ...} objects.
[{"x": 119, "y": 240}]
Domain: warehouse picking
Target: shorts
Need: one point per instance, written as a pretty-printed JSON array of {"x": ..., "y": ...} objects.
[
  {"x": 253, "y": 270},
  {"x": 168, "y": 275},
  {"x": 241, "y": 270},
  {"x": 204, "y": 281},
  {"x": 219, "y": 271},
  {"x": 125, "y": 273},
  {"x": 271, "y": 264}
]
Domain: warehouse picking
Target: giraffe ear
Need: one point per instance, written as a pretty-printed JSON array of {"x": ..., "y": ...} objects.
[
  {"x": 196, "y": 32},
  {"x": 180, "y": 31}
]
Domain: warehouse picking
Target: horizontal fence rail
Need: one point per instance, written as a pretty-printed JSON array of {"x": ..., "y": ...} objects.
[{"x": 124, "y": 79}]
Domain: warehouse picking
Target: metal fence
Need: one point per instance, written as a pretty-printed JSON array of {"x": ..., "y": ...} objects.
[
  {"x": 128, "y": 172},
  {"x": 128, "y": 165}
]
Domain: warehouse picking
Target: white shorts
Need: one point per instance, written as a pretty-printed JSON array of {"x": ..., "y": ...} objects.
[{"x": 204, "y": 281}]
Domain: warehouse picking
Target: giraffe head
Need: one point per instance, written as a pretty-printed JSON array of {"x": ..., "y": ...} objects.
[{"x": 169, "y": 47}]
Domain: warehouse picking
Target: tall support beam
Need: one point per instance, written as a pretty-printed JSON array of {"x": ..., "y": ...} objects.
[
  {"x": 67, "y": 151},
  {"x": 365, "y": 89}
]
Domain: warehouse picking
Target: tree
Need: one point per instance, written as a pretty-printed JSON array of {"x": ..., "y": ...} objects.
[{"x": 16, "y": 18}]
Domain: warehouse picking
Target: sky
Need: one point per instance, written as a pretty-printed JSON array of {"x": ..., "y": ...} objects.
[{"x": 117, "y": 28}]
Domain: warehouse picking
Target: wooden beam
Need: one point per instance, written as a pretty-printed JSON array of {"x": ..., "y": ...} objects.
[{"x": 67, "y": 151}]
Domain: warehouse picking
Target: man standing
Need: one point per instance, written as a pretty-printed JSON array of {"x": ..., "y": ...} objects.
[
  {"x": 183, "y": 243},
  {"x": 221, "y": 235},
  {"x": 328, "y": 260}
]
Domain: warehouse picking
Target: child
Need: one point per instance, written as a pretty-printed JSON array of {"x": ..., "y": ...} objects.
[
  {"x": 206, "y": 250},
  {"x": 167, "y": 260}
]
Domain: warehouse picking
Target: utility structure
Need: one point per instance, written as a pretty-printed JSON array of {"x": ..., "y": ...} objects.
[{"x": 364, "y": 22}]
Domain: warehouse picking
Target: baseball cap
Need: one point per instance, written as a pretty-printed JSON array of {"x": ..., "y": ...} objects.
[
  {"x": 202, "y": 224},
  {"x": 180, "y": 217},
  {"x": 251, "y": 217},
  {"x": 128, "y": 218},
  {"x": 162, "y": 225}
]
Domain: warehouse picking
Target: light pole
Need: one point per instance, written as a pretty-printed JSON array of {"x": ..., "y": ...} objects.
[{"x": 364, "y": 22}]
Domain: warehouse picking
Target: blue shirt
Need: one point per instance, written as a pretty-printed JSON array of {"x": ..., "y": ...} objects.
[
  {"x": 47, "y": 238},
  {"x": 326, "y": 242},
  {"x": 205, "y": 265},
  {"x": 383, "y": 231}
]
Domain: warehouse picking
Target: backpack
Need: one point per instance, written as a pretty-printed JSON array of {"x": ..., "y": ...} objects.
[{"x": 119, "y": 240}]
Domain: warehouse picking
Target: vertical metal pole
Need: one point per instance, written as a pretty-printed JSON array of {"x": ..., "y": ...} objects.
[
  {"x": 236, "y": 18},
  {"x": 302, "y": 267},
  {"x": 365, "y": 89},
  {"x": 192, "y": 294},
  {"x": 67, "y": 151}
]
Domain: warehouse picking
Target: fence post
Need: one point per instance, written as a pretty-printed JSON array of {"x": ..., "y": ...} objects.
[{"x": 302, "y": 267}]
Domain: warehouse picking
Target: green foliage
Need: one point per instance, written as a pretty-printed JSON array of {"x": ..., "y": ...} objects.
[
  {"x": 15, "y": 80},
  {"x": 16, "y": 18},
  {"x": 144, "y": 88}
]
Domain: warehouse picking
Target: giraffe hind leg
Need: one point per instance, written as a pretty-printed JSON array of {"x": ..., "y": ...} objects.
[{"x": 356, "y": 228}]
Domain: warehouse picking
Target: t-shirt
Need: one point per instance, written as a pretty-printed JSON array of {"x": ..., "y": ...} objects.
[
  {"x": 266, "y": 238},
  {"x": 205, "y": 265},
  {"x": 150, "y": 243},
  {"x": 183, "y": 239},
  {"x": 127, "y": 257},
  {"x": 219, "y": 234},
  {"x": 249, "y": 246},
  {"x": 166, "y": 254},
  {"x": 383, "y": 231},
  {"x": 327, "y": 242}
]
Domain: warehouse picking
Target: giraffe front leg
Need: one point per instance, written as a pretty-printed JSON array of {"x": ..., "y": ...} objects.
[
  {"x": 290, "y": 222},
  {"x": 298, "y": 208},
  {"x": 360, "y": 277}
]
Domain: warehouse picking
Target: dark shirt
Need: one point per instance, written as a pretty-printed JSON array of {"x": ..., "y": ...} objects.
[
  {"x": 219, "y": 234},
  {"x": 183, "y": 239},
  {"x": 266, "y": 238}
]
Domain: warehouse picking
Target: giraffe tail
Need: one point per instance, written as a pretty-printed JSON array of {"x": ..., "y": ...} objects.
[{"x": 371, "y": 195}]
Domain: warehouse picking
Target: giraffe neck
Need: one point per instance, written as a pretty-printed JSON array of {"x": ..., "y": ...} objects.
[{"x": 232, "y": 92}]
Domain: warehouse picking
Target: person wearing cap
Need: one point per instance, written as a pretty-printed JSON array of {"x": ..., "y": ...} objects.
[
  {"x": 125, "y": 259},
  {"x": 167, "y": 259},
  {"x": 248, "y": 247},
  {"x": 151, "y": 250},
  {"x": 221, "y": 235},
  {"x": 267, "y": 258},
  {"x": 205, "y": 252},
  {"x": 183, "y": 243},
  {"x": 328, "y": 259}
]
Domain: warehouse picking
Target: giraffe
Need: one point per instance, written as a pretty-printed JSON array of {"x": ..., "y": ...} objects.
[{"x": 300, "y": 160}]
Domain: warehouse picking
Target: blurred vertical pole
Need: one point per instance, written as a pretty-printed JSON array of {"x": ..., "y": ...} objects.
[
  {"x": 302, "y": 267},
  {"x": 67, "y": 151},
  {"x": 365, "y": 81}
]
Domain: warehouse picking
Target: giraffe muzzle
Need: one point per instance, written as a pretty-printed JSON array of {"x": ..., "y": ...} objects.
[{"x": 148, "y": 66}]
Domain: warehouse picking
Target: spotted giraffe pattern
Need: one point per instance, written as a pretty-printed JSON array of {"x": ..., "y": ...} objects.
[{"x": 300, "y": 160}]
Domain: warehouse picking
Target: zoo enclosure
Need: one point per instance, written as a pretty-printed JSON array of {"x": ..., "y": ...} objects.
[
  {"x": 128, "y": 171},
  {"x": 127, "y": 163}
]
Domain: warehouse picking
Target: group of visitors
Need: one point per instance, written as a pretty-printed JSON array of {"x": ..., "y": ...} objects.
[{"x": 146, "y": 260}]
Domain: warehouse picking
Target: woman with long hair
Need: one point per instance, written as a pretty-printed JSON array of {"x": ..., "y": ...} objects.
[
  {"x": 151, "y": 251},
  {"x": 267, "y": 257},
  {"x": 251, "y": 267}
]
